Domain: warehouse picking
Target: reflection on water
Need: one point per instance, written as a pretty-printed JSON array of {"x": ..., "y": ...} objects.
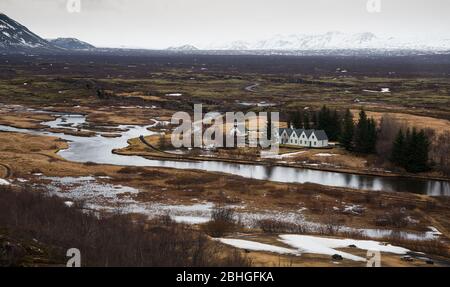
[{"x": 98, "y": 149}]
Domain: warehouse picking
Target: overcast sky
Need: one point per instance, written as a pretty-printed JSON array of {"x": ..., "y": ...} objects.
[{"x": 163, "y": 23}]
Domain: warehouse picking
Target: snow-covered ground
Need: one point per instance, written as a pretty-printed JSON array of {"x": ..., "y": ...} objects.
[
  {"x": 383, "y": 90},
  {"x": 328, "y": 246},
  {"x": 256, "y": 246},
  {"x": 102, "y": 196},
  {"x": 4, "y": 182},
  {"x": 324, "y": 154},
  {"x": 266, "y": 154},
  {"x": 315, "y": 245}
]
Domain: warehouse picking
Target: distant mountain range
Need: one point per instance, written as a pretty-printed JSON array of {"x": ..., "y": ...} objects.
[
  {"x": 15, "y": 37},
  {"x": 183, "y": 48},
  {"x": 71, "y": 44},
  {"x": 335, "y": 41}
]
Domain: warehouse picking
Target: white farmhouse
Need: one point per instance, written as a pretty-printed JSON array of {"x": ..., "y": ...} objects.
[{"x": 303, "y": 138}]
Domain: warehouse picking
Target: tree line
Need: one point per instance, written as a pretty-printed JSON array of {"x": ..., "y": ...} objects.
[
  {"x": 407, "y": 148},
  {"x": 360, "y": 137},
  {"x": 410, "y": 150}
]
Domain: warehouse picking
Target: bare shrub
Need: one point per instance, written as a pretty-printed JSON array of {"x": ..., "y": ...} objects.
[
  {"x": 395, "y": 218},
  {"x": 278, "y": 226},
  {"x": 432, "y": 247},
  {"x": 222, "y": 222},
  {"x": 440, "y": 152},
  {"x": 332, "y": 224},
  {"x": 107, "y": 240},
  {"x": 130, "y": 170},
  {"x": 389, "y": 128}
]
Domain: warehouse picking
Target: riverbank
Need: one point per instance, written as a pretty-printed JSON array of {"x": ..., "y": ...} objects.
[
  {"x": 135, "y": 148},
  {"x": 22, "y": 117}
]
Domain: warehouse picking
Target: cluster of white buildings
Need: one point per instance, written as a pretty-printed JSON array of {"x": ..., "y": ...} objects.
[{"x": 303, "y": 138}]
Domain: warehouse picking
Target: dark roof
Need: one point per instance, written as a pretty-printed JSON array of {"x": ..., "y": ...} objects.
[
  {"x": 321, "y": 135},
  {"x": 308, "y": 133},
  {"x": 289, "y": 131},
  {"x": 299, "y": 131}
]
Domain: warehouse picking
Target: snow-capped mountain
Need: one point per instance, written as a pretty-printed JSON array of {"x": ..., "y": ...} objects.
[
  {"x": 71, "y": 44},
  {"x": 183, "y": 48},
  {"x": 335, "y": 41},
  {"x": 15, "y": 36}
]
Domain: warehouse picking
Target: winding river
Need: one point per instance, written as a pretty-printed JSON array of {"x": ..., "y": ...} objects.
[{"x": 98, "y": 149}]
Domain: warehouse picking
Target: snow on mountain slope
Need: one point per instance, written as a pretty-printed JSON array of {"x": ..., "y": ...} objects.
[
  {"x": 183, "y": 48},
  {"x": 71, "y": 44},
  {"x": 335, "y": 41},
  {"x": 14, "y": 35}
]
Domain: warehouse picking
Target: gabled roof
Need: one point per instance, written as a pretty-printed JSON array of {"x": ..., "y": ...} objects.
[
  {"x": 321, "y": 135},
  {"x": 288, "y": 131},
  {"x": 280, "y": 131},
  {"x": 308, "y": 133},
  {"x": 299, "y": 132}
]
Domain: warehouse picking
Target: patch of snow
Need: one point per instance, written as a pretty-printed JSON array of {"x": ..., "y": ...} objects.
[
  {"x": 324, "y": 154},
  {"x": 266, "y": 154},
  {"x": 383, "y": 90},
  {"x": 354, "y": 209},
  {"x": 256, "y": 246},
  {"x": 380, "y": 233},
  {"x": 434, "y": 231},
  {"x": 4, "y": 182},
  {"x": 260, "y": 104},
  {"x": 327, "y": 246},
  {"x": 68, "y": 203},
  {"x": 190, "y": 219},
  {"x": 174, "y": 95}
]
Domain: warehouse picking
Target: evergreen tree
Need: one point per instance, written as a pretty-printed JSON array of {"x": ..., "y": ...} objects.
[
  {"x": 423, "y": 148},
  {"x": 365, "y": 134},
  {"x": 398, "y": 149},
  {"x": 314, "y": 121},
  {"x": 371, "y": 141},
  {"x": 348, "y": 128},
  {"x": 334, "y": 126},
  {"x": 306, "y": 121},
  {"x": 360, "y": 135},
  {"x": 324, "y": 119},
  {"x": 417, "y": 152},
  {"x": 329, "y": 121},
  {"x": 411, "y": 151},
  {"x": 297, "y": 121}
]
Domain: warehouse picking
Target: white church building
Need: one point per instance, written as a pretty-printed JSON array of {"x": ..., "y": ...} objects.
[{"x": 303, "y": 138}]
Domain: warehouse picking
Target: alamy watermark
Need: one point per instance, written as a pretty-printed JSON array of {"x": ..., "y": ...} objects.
[
  {"x": 373, "y": 258},
  {"x": 373, "y": 6},
  {"x": 74, "y": 255},
  {"x": 73, "y": 6},
  {"x": 232, "y": 129}
]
